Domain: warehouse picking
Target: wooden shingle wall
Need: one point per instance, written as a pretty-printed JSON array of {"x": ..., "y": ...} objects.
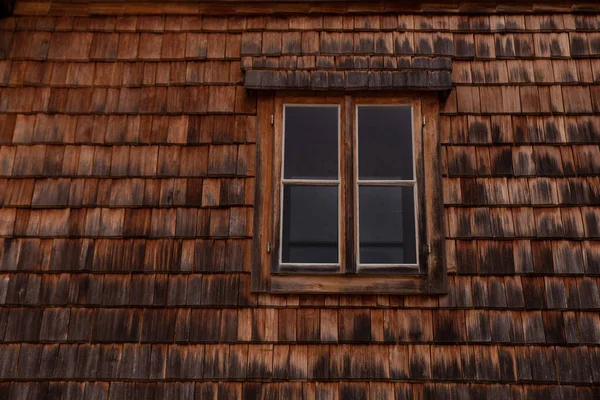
[{"x": 127, "y": 153}]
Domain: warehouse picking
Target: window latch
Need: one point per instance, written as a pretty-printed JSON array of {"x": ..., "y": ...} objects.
[
  {"x": 272, "y": 119},
  {"x": 423, "y": 120},
  {"x": 268, "y": 247}
]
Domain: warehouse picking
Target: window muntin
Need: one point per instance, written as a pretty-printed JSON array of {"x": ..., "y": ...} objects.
[
  {"x": 387, "y": 234},
  {"x": 310, "y": 188}
]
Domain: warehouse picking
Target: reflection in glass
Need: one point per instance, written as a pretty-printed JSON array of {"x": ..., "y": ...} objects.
[
  {"x": 310, "y": 224},
  {"x": 385, "y": 143},
  {"x": 387, "y": 225},
  {"x": 311, "y": 142}
]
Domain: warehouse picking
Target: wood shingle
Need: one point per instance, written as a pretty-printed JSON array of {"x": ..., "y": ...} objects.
[{"x": 128, "y": 177}]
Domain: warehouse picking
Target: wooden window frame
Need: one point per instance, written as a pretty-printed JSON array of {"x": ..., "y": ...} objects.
[{"x": 431, "y": 277}]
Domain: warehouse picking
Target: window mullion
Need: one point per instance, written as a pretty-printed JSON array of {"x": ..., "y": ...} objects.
[{"x": 349, "y": 261}]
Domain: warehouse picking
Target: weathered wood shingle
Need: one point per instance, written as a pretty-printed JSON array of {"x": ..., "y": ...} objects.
[{"x": 127, "y": 179}]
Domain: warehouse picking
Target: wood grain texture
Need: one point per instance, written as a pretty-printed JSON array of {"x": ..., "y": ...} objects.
[
  {"x": 130, "y": 177},
  {"x": 263, "y": 200},
  {"x": 436, "y": 270},
  {"x": 354, "y": 284}
]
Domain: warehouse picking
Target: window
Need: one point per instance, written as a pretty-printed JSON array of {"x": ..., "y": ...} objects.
[{"x": 348, "y": 196}]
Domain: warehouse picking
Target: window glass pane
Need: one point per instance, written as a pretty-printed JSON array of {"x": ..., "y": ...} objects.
[
  {"x": 310, "y": 224},
  {"x": 387, "y": 225},
  {"x": 311, "y": 142},
  {"x": 385, "y": 149}
]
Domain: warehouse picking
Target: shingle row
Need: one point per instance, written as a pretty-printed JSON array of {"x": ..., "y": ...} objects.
[
  {"x": 522, "y": 161},
  {"x": 132, "y": 161},
  {"x": 303, "y": 326},
  {"x": 353, "y": 80},
  {"x": 348, "y": 63},
  {"x": 523, "y": 99},
  {"x": 205, "y": 278},
  {"x": 149, "y": 193},
  {"x": 523, "y": 192},
  {"x": 224, "y": 99},
  {"x": 118, "y": 74},
  {"x": 505, "y": 130},
  {"x": 119, "y": 255},
  {"x": 308, "y": 390},
  {"x": 473, "y": 364},
  {"x": 75, "y": 131},
  {"x": 80, "y": 46},
  {"x": 520, "y": 72},
  {"x": 165, "y": 222},
  {"x": 345, "y": 21}
]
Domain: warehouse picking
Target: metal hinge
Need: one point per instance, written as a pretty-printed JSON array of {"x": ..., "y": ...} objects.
[
  {"x": 272, "y": 119},
  {"x": 428, "y": 248},
  {"x": 268, "y": 247},
  {"x": 423, "y": 121}
]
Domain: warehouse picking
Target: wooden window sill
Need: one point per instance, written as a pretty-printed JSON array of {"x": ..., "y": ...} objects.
[{"x": 357, "y": 284}]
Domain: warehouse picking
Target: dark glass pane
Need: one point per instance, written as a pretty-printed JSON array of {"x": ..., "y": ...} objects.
[
  {"x": 310, "y": 224},
  {"x": 311, "y": 142},
  {"x": 387, "y": 225},
  {"x": 385, "y": 142}
]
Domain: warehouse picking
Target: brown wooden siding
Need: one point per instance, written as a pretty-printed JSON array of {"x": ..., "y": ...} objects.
[{"x": 127, "y": 163}]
